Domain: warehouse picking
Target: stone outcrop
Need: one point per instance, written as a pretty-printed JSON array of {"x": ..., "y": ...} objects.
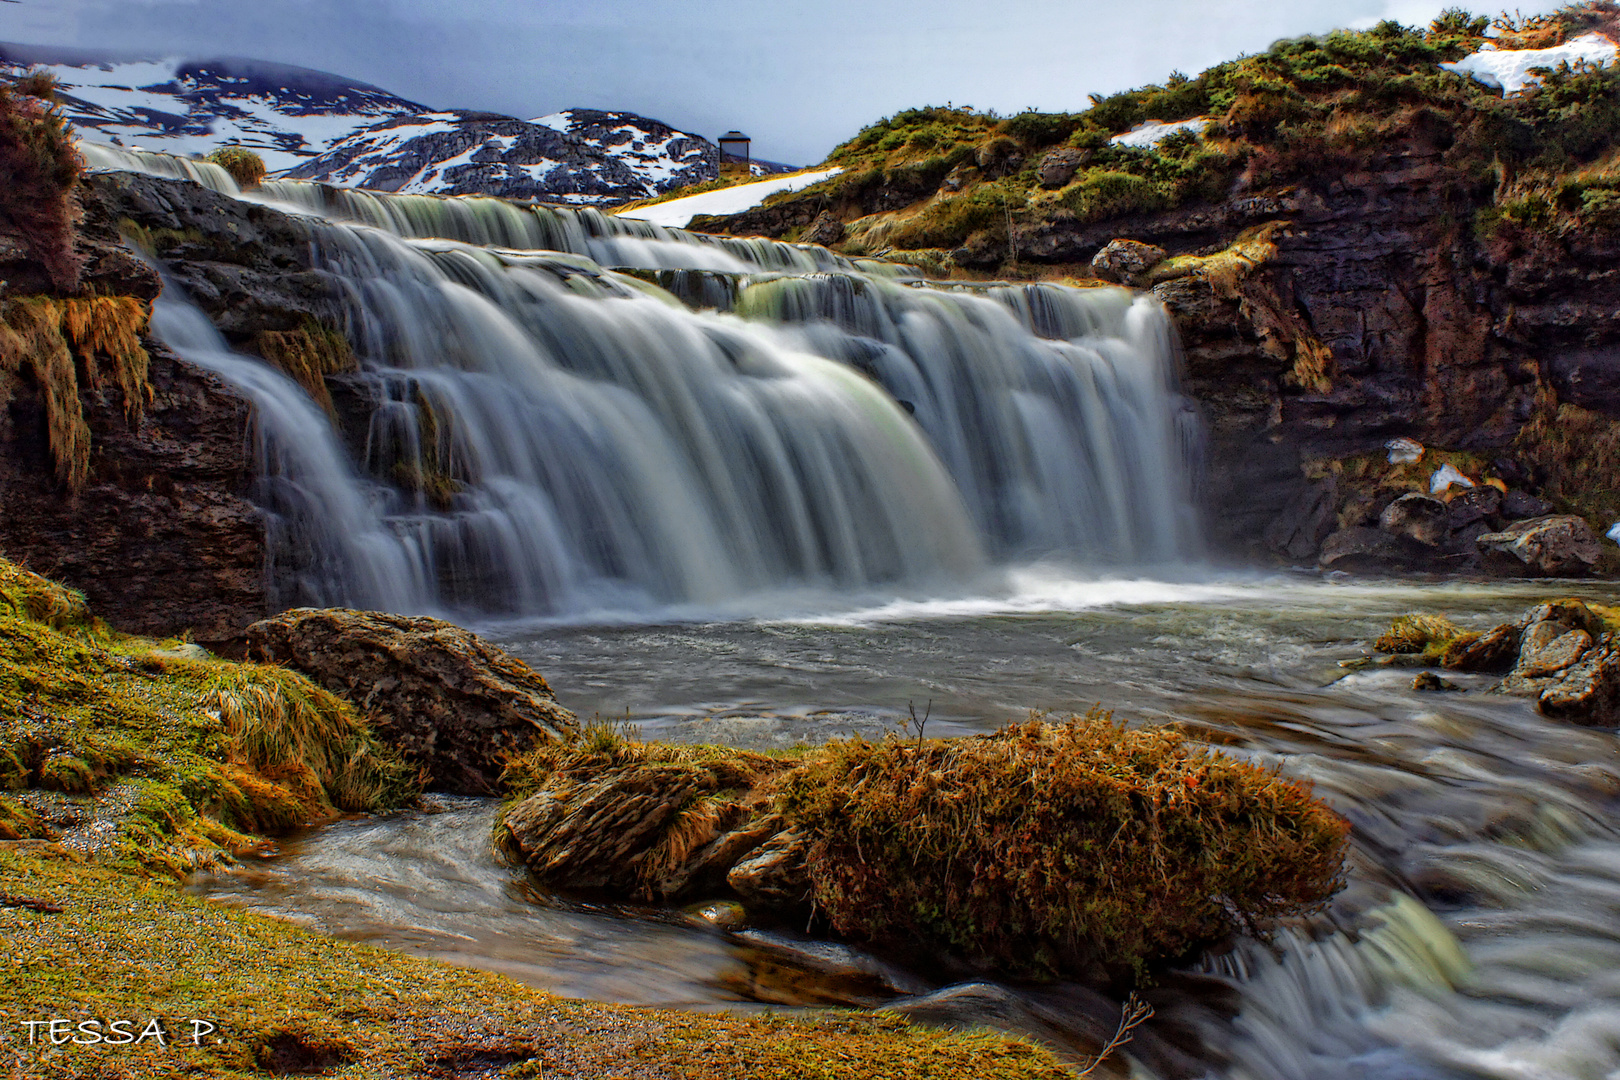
[
  {"x": 1558, "y": 546},
  {"x": 826, "y": 230},
  {"x": 455, "y": 705},
  {"x": 161, "y": 538},
  {"x": 1419, "y": 517},
  {"x": 1126, "y": 261}
]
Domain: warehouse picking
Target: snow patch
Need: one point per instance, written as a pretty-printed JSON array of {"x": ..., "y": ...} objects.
[
  {"x": 677, "y": 213},
  {"x": 1152, "y": 132},
  {"x": 1509, "y": 70}
]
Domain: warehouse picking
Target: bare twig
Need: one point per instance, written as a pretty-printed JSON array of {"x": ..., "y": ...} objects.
[
  {"x": 44, "y": 907},
  {"x": 911, "y": 707},
  {"x": 1132, "y": 1015}
]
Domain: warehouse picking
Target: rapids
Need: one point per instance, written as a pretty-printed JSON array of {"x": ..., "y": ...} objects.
[{"x": 1477, "y": 936}]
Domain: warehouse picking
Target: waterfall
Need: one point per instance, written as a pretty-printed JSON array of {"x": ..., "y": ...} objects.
[{"x": 538, "y": 426}]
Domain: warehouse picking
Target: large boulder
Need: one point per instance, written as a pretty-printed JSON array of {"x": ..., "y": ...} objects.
[
  {"x": 1361, "y": 550},
  {"x": 1424, "y": 519},
  {"x": 1589, "y": 692},
  {"x": 1474, "y": 506},
  {"x": 1495, "y": 651},
  {"x": 1561, "y": 545},
  {"x": 1126, "y": 260},
  {"x": 453, "y": 704}
]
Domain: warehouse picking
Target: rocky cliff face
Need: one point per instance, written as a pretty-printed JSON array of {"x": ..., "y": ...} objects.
[{"x": 161, "y": 537}]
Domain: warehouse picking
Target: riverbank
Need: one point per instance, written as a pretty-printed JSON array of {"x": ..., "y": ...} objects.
[
  {"x": 128, "y": 763},
  {"x": 285, "y": 1000}
]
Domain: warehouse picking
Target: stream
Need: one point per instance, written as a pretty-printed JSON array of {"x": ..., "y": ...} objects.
[{"x": 1479, "y": 934}]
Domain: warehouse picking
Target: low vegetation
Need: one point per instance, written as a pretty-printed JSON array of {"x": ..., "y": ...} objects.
[
  {"x": 39, "y": 168},
  {"x": 54, "y": 339},
  {"x": 126, "y": 763},
  {"x": 1058, "y": 847},
  {"x": 287, "y": 1001},
  {"x": 1076, "y": 848},
  {"x": 164, "y": 759},
  {"x": 245, "y": 167},
  {"x": 1306, "y": 107}
]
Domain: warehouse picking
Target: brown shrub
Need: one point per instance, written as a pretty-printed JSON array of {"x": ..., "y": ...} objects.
[
  {"x": 39, "y": 167},
  {"x": 245, "y": 167},
  {"x": 1048, "y": 848}
]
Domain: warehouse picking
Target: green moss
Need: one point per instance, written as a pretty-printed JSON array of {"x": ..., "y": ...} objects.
[
  {"x": 172, "y": 757},
  {"x": 288, "y": 1000}
]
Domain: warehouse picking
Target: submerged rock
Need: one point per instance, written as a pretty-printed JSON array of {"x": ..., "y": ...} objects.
[
  {"x": 1558, "y": 546},
  {"x": 453, "y": 704}
]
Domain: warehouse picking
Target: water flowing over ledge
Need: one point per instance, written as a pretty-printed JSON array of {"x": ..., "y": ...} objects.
[{"x": 537, "y": 428}]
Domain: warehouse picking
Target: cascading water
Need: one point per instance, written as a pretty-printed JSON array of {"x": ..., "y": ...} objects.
[{"x": 537, "y": 435}]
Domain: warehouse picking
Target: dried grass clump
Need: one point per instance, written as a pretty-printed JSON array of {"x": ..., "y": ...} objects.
[
  {"x": 282, "y": 725},
  {"x": 308, "y": 355},
  {"x": 1050, "y": 848},
  {"x": 44, "y": 334},
  {"x": 245, "y": 167},
  {"x": 39, "y": 167},
  {"x": 1418, "y": 634}
]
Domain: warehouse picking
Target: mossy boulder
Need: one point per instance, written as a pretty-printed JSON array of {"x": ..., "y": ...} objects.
[
  {"x": 162, "y": 758},
  {"x": 454, "y": 705},
  {"x": 1044, "y": 848}
]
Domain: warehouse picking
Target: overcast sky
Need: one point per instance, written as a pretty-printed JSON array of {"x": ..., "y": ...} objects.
[{"x": 797, "y": 76}]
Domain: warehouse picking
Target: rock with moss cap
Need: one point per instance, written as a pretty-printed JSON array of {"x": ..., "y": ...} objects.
[{"x": 453, "y": 704}]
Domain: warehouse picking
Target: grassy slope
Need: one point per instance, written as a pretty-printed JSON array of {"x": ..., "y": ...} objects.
[
  {"x": 122, "y": 769},
  {"x": 1305, "y": 106}
]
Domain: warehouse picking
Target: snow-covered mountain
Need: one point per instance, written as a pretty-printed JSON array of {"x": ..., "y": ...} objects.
[
  {"x": 285, "y": 114},
  {"x": 580, "y": 156},
  {"x": 313, "y": 125}
]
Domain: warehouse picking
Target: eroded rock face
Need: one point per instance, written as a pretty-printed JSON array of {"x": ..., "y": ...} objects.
[
  {"x": 452, "y": 703},
  {"x": 1558, "y": 546},
  {"x": 162, "y": 540},
  {"x": 1059, "y": 166},
  {"x": 826, "y": 230}
]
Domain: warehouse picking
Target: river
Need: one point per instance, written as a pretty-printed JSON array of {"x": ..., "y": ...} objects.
[{"x": 1478, "y": 936}]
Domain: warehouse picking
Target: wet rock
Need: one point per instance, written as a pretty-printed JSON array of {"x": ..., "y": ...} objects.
[
  {"x": 1428, "y": 680},
  {"x": 1474, "y": 506},
  {"x": 1589, "y": 692},
  {"x": 1059, "y": 166},
  {"x": 597, "y": 834},
  {"x": 453, "y": 704},
  {"x": 1570, "y": 614},
  {"x": 1298, "y": 532},
  {"x": 1364, "y": 550},
  {"x": 1518, "y": 505},
  {"x": 826, "y": 230},
  {"x": 1558, "y": 546},
  {"x": 777, "y": 874},
  {"x": 1546, "y": 652},
  {"x": 721, "y": 914},
  {"x": 706, "y": 869},
  {"x": 1126, "y": 260},
  {"x": 1419, "y": 517},
  {"x": 1495, "y": 652}
]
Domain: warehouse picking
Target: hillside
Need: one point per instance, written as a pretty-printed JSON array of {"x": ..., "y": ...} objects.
[
  {"x": 312, "y": 125},
  {"x": 1358, "y": 244}
]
